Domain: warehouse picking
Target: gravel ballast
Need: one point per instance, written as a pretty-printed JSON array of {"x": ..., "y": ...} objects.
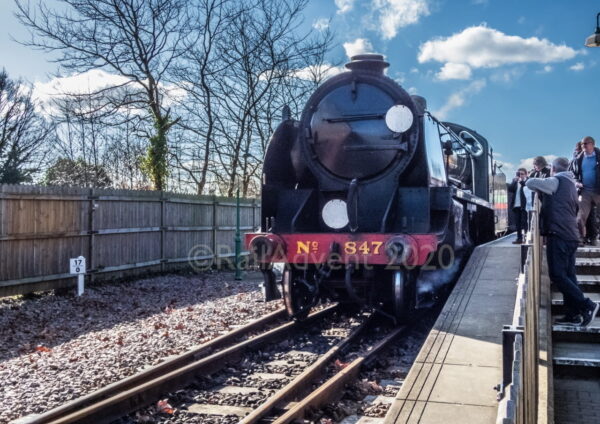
[{"x": 57, "y": 348}]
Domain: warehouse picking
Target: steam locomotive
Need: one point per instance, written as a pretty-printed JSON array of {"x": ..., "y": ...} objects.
[{"x": 370, "y": 199}]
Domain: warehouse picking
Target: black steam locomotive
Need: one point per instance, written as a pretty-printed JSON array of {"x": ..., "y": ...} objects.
[{"x": 368, "y": 198}]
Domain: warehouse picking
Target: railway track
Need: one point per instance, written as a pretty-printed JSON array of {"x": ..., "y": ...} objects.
[
  {"x": 122, "y": 397},
  {"x": 264, "y": 372}
]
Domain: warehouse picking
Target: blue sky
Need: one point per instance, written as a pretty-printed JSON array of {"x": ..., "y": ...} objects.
[{"x": 516, "y": 71}]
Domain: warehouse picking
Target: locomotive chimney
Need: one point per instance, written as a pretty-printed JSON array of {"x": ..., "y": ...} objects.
[{"x": 373, "y": 63}]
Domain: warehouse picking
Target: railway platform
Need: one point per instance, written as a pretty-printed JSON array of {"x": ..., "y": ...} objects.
[
  {"x": 460, "y": 363},
  {"x": 494, "y": 354}
]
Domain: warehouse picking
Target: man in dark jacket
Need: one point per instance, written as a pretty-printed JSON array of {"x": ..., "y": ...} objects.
[
  {"x": 519, "y": 203},
  {"x": 559, "y": 224},
  {"x": 586, "y": 168}
]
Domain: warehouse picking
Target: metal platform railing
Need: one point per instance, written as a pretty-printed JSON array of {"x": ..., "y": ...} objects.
[{"x": 519, "y": 390}]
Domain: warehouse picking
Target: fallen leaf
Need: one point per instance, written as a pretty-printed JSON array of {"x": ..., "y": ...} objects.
[
  {"x": 42, "y": 348},
  {"x": 179, "y": 326},
  {"x": 340, "y": 365},
  {"x": 164, "y": 407}
]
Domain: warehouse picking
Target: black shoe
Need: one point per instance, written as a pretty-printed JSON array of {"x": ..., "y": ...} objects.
[
  {"x": 592, "y": 242},
  {"x": 569, "y": 320},
  {"x": 590, "y": 314},
  {"x": 518, "y": 241}
]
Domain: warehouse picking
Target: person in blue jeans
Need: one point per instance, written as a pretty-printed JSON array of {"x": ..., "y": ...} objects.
[
  {"x": 558, "y": 222},
  {"x": 586, "y": 169}
]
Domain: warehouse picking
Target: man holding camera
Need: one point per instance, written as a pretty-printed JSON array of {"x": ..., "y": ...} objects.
[{"x": 519, "y": 203}]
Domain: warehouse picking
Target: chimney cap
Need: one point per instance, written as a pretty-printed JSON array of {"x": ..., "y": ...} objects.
[{"x": 369, "y": 62}]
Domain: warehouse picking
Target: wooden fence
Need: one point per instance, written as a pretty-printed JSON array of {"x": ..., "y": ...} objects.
[
  {"x": 119, "y": 232},
  {"x": 525, "y": 392}
]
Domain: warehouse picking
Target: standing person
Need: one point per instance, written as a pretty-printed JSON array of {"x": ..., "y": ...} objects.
[
  {"x": 586, "y": 168},
  {"x": 591, "y": 232},
  {"x": 576, "y": 152},
  {"x": 540, "y": 168},
  {"x": 559, "y": 225},
  {"x": 519, "y": 203}
]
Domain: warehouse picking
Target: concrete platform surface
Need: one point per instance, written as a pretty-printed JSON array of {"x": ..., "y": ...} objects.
[{"x": 453, "y": 377}]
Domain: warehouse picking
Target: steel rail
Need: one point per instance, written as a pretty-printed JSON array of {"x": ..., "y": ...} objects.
[
  {"x": 307, "y": 377},
  {"x": 332, "y": 389},
  {"x": 132, "y": 393}
]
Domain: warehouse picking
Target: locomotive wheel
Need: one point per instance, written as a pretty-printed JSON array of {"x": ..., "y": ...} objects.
[
  {"x": 403, "y": 304},
  {"x": 298, "y": 296}
]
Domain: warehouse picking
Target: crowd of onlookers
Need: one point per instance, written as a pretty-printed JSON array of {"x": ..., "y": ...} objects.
[
  {"x": 585, "y": 167},
  {"x": 569, "y": 191}
]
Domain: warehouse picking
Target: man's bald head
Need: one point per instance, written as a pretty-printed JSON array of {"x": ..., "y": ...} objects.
[{"x": 588, "y": 144}]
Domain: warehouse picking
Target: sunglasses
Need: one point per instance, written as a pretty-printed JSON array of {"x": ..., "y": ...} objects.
[{"x": 587, "y": 142}]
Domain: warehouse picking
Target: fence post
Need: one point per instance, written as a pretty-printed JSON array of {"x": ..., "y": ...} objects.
[
  {"x": 214, "y": 230},
  {"x": 91, "y": 262},
  {"x": 162, "y": 231},
  {"x": 253, "y": 214},
  {"x": 238, "y": 239}
]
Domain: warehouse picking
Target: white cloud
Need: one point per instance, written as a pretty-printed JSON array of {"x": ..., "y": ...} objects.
[
  {"x": 313, "y": 73},
  {"x": 579, "y": 66},
  {"x": 454, "y": 71},
  {"x": 412, "y": 90},
  {"x": 358, "y": 46},
  {"x": 483, "y": 47},
  {"x": 507, "y": 75},
  {"x": 414, "y": 71},
  {"x": 344, "y": 6},
  {"x": 82, "y": 83},
  {"x": 459, "y": 98},
  {"x": 321, "y": 24},
  {"x": 521, "y": 20},
  {"x": 90, "y": 82},
  {"x": 395, "y": 14},
  {"x": 546, "y": 69}
]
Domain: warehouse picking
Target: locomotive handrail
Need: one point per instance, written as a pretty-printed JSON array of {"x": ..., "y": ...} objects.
[{"x": 452, "y": 134}]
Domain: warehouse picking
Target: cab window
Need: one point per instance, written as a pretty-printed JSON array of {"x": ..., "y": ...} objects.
[{"x": 435, "y": 157}]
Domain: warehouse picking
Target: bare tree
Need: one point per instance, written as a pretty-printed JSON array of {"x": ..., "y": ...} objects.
[
  {"x": 108, "y": 141},
  {"x": 237, "y": 74},
  {"x": 197, "y": 75},
  {"x": 138, "y": 39},
  {"x": 22, "y": 132}
]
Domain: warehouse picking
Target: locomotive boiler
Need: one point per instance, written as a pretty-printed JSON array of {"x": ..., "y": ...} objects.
[{"x": 369, "y": 199}]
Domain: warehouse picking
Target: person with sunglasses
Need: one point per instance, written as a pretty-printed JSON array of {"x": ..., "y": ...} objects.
[{"x": 586, "y": 168}]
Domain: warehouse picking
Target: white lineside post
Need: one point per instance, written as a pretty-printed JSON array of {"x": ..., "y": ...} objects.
[{"x": 77, "y": 267}]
